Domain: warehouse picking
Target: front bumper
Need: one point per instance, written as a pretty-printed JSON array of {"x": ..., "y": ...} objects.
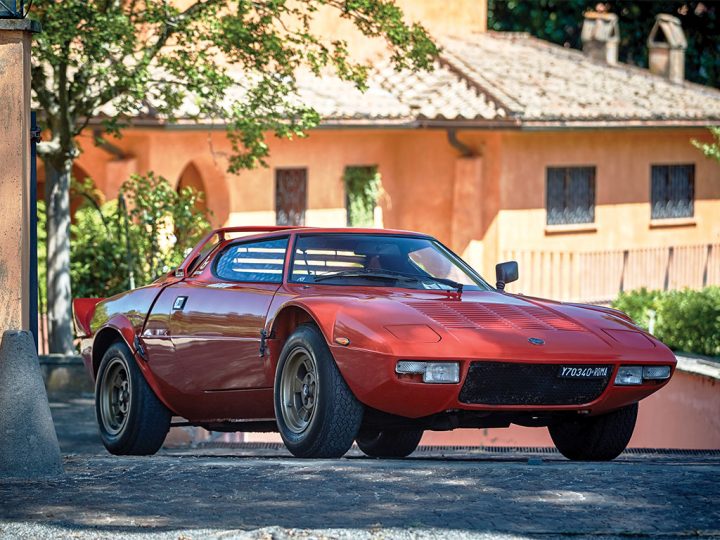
[{"x": 372, "y": 378}]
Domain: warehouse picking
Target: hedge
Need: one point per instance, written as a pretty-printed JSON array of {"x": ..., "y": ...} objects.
[{"x": 686, "y": 320}]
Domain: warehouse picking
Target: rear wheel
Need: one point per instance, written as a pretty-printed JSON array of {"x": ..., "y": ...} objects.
[
  {"x": 317, "y": 414},
  {"x": 132, "y": 420},
  {"x": 597, "y": 438},
  {"x": 389, "y": 444}
]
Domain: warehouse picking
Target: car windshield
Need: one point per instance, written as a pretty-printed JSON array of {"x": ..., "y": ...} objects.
[{"x": 380, "y": 260}]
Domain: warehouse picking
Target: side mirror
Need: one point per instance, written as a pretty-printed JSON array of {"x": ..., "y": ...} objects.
[{"x": 506, "y": 272}]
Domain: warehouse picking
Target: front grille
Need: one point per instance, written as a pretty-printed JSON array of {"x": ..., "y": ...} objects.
[{"x": 510, "y": 383}]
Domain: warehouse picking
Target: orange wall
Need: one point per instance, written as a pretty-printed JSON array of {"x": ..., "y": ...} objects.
[
  {"x": 439, "y": 17},
  {"x": 622, "y": 214},
  {"x": 427, "y": 183}
]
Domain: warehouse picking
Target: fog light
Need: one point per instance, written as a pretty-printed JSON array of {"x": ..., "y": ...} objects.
[
  {"x": 432, "y": 372},
  {"x": 627, "y": 375},
  {"x": 656, "y": 373}
]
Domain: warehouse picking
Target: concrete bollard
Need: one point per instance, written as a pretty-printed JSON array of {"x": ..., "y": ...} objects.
[{"x": 28, "y": 442}]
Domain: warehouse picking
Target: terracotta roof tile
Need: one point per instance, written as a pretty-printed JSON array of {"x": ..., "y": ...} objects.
[
  {"x": 438, "y": 94},
  {"x": 500, "y": 78},
  {"x": 536, "y": 80}
]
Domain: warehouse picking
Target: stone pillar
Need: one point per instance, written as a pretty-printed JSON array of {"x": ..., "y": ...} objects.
[
  {"x": 15, "y": 37},
  {"x": 116, "y": 173},
  {"x": 467, "y": 215}
]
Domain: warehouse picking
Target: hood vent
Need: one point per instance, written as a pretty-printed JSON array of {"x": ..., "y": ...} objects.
[{"x": 494, "y": 316}]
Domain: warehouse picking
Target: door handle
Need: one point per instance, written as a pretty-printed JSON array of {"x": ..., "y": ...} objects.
[{"x": 179, "y": 303}]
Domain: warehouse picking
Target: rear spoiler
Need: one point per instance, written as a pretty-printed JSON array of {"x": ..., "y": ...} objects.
[{"x": 83, "y": 312}]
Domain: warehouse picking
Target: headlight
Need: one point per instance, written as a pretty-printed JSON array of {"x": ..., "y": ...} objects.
[
  {"x": 432, "y": 372},
  {"x": 629, "y": 375}
]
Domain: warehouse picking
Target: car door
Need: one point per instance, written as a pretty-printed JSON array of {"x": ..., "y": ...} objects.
[{"x": 204, "y": 333}]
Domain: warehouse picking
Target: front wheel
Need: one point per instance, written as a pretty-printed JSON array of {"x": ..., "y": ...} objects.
[
  {"x": 132, "y": 420},
  {"x": 317, "y": 414},
  {"x": 389, "y": 444},
  {"x": 597, "y": 438}
]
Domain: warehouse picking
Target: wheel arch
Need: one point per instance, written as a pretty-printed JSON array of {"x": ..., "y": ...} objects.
[
  {"x": 285, "y": 322},
  {"x": 119, "y": 328}
]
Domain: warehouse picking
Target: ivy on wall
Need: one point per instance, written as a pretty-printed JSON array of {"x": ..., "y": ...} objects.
[{"x": 362, "y": 188}]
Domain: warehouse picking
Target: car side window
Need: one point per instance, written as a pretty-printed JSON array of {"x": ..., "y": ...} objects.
[{"x": 260, "y": 261}]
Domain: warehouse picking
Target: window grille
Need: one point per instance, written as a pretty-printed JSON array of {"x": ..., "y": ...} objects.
[
  {"x": 570, "y": 195},
  {"x": 290, "y": 196},
  {"x": 673, "y": 191}
]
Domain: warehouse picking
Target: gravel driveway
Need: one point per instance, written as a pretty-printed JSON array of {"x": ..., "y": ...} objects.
[{"x": 261, "y": 492}]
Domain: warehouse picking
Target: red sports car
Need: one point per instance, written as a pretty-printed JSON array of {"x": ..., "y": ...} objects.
[{"x": 331, "y": 336}]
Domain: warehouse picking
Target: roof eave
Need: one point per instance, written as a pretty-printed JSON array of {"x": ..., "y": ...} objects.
[
  {"x": 442, "y": 123},
  {"x": 624, "y": 123}
]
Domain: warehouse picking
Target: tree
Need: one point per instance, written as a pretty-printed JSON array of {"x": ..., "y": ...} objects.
[
  {"x": 126, "y": 53},
  {"x": 560, "y": 21},
  {"x": 711, "y": 149}
]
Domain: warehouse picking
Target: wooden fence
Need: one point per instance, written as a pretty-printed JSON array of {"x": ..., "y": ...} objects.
[{"x": 599, "y": 276}]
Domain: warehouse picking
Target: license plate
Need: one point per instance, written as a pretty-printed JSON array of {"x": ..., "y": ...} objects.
[{"x": 583, "y": 372}]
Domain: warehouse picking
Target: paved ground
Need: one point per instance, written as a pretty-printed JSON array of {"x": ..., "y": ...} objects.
[{"x": 261, "y": 492}]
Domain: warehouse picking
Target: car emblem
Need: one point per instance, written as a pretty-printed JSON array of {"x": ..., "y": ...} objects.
[{"x": 536, "y": 341}]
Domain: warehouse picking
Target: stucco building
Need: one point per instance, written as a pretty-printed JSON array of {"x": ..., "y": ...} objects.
[{"x": 577, "y": 165}]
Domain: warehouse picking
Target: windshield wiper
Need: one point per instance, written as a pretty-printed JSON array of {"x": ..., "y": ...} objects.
[
  {"x": 417, "y": 277},
  {"x": 371, "y": 274}
]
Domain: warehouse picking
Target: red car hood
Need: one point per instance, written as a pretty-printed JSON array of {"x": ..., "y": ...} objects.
[{"x": 482, "y": 325}]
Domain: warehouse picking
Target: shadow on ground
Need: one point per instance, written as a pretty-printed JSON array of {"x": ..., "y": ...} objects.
[{"x": 226, "y": 490}]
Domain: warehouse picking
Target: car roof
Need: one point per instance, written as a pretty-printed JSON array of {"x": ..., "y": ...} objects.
[
  {"x": 262, "y": 231},
  {"x": 275, "y": 229}
]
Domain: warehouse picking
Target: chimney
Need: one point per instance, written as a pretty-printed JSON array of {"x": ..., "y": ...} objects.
[
  {"x": 666, "y": 48},
  {"x": 600, "y": 36}
]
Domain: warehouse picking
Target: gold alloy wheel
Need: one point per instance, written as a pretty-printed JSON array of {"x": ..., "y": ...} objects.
[
  {"x": 114, "y": 396},
  {"x": 299, "y": 388}
]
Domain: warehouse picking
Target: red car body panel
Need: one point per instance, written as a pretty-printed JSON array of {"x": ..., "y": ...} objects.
[{"x": 204, "y": 362}]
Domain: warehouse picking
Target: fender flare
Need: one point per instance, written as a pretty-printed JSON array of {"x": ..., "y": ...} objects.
[{"x": 121, "y": 325}]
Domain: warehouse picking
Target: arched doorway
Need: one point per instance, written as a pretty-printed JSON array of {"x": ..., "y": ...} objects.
[{"x": 191, "y": 177}]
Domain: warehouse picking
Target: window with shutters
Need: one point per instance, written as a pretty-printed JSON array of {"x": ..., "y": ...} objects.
[
  {"x": 672, "y": 191},
  {"x": 570, "y": 195},
  {"x": 290, "y": 196}
]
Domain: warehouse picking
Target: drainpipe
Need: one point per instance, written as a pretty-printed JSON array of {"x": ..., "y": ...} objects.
[{"x": 464, "y": 149}]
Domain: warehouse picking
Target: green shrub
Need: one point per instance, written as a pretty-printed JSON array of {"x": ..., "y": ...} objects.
[
  {"x": 362, "y": 187},
  {"x": 686, "y": 320},
  {"x": 639, "y": 304},
  {"x": 109, "y": 243}
]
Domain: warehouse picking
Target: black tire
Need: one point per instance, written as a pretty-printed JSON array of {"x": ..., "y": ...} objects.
[
  {"x": 323, "y": 421},
  {"x": 597, "y": 438},
  {"x": 389, "y": 444},
  {"x": 142, "y": 428}
]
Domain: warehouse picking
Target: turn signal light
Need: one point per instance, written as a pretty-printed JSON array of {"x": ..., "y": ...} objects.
[
  {"x": 656, "y": 373},
  {"x": 432, "y": 372}
]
